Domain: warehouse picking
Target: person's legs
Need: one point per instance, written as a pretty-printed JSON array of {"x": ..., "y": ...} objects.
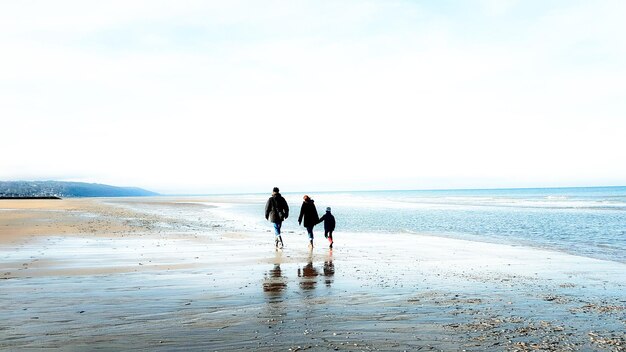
[
  {"x": 309, "y": 231},
  {"x": 278, "y": 239},
  {"x": 330, "y": 238}
]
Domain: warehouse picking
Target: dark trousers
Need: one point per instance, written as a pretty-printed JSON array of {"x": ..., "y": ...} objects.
[{"x": 309, "y": 231}]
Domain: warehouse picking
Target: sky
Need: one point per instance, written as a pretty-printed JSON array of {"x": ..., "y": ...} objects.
[{"x": 241, "y": 96}]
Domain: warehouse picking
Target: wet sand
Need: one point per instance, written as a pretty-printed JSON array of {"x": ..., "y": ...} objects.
[{"x": 178, "y": 274}]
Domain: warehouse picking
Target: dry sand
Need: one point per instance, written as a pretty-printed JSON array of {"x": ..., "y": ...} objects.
[{"x": 175, "y": 274}]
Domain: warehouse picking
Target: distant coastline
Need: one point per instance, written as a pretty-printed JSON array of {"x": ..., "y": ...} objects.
[
  {"x": 61, "y": 189},
  {"x": 33, "y": 197}
]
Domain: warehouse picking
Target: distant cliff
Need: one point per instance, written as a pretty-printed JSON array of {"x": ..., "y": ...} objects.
[{"x": 11, "y": 189}]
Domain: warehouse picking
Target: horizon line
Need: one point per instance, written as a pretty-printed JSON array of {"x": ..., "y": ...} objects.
[{"x": 395, "y": 190}]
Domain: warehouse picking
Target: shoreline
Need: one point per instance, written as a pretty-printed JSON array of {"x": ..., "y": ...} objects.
[{"x": 164, "y": 274}]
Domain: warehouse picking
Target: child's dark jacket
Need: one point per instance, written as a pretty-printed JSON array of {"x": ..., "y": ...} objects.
[{"x": 329, "y": 221}]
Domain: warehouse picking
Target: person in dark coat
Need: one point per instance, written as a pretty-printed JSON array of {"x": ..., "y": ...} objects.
[
  {"x": 329, "y": 226},
  {"x": 276, "y": 211},
  {"x": 308, "y": 212}
]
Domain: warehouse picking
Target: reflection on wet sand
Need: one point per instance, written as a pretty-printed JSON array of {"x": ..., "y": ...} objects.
[
  {"x": 329, "y": 269},
  {"x": 274, "y": 287},
  {"x": 308, "y": 274},
  {"x": 274, "y": 283}
]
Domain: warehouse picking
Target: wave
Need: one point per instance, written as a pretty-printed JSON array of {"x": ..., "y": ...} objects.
[
  {"x": 433, "y": 203},
  {"x": 548, "y": 202}
]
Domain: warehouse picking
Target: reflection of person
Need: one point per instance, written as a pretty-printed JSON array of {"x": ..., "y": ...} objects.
[
  {"x": 276, "y": 210},
  {"x": 309, "y": 276},
  {"x": 329, "y": 269},
  {"x": 308, "y": 212},
  {"x": 329, "y": 226},
  {"x": 274, "y": 281}
]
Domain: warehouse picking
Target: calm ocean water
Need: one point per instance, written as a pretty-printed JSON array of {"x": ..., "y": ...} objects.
[{"x": 584, "y": 221}]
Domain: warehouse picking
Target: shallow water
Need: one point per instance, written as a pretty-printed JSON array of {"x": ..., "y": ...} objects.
[{"x": 582, "y": 221}]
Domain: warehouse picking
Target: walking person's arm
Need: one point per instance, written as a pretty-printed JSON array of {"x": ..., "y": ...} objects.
[
  {"x": 268, "y": 207},
  {"x": 285, "y": 208},
  {"x": 301, "y": 214},
  {"x": 321, "y": 219}
]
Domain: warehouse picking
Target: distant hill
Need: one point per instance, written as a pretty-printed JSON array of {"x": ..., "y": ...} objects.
[{"x": 9, "y": 189}]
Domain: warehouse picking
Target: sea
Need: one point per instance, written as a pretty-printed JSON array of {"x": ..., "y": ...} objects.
[{"x": 585, "y": 221}]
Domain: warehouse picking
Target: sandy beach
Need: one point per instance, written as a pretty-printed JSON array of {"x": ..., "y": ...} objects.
[{"x": 167, "y": 273}]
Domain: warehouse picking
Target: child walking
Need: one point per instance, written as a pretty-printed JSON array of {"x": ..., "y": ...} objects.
[{"x": 329, "y": 226}]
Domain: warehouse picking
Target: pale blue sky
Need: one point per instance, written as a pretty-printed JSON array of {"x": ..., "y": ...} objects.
[{"x": 240, "y": 96}]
